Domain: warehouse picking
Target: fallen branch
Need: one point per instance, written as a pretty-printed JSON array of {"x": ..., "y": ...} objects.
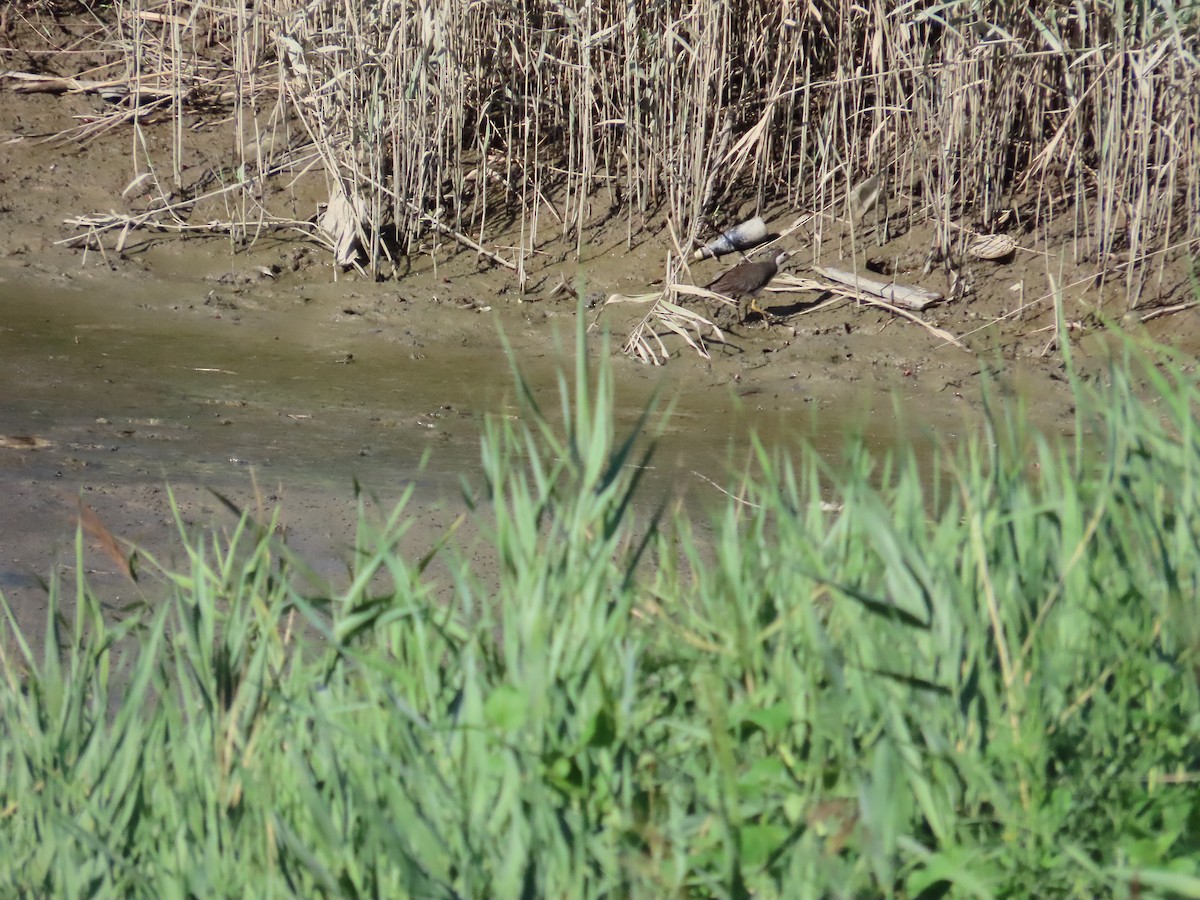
[
  {"x": 899, "y": 294},
  {"x": 99, "y": 223},
  {"x": 1168, "y": 310},
  {"x": 459, "y": 237},
  {"x": 843, "y": 293},
  {"x": 904, "y": 313},
  {"x": 113, "y": 89},
  {"x": 168, "y": 216},
  {"x": 29, "y": 83}
]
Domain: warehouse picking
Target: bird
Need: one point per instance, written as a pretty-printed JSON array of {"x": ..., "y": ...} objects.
[{"x": 745, "y": 280}]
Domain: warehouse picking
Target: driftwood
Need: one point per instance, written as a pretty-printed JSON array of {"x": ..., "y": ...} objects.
[
  {"x": 898, "y": 294},
  {"x": 1165, "y": 311},
  {"x": 859, "y": 285},
  {"x": 28, "y": 83}
]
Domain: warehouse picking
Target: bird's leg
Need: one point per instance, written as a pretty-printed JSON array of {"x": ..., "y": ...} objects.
[
  {"x": 754, "y": 312},
  {"x": 753, "y": 309}
]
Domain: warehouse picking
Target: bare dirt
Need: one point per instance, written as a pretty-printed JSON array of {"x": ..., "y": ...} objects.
[{"x": 196, "y": 362}]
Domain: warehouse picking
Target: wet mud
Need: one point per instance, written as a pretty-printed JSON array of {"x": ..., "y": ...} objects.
[{"x": 264, "y": 375}]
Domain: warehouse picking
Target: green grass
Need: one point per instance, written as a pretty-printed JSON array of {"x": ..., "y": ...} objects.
[{"x": 990, "y": 692}]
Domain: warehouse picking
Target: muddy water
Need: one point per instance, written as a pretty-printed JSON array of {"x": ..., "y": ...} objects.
[
  {"x": 127, "y": 386},
  {"x": 137, "y": 385},
  {"x": 130, "y": 392}
]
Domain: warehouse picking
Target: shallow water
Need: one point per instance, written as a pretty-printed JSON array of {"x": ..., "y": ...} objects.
[
  {"x": 135, "y": 385},
  {"x": 136, "y": 393},
  {"x": 124, "y": 387}
]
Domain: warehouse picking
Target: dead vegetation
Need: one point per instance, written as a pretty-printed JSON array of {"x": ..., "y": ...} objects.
[{"x": 448, "y": 120}]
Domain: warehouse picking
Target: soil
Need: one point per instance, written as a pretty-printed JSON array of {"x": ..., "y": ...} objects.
[{"x": 266, "y": 374}]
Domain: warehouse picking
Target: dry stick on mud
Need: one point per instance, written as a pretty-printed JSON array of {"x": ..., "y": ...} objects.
[
  {"x": 449, "y": 232},
  {"x": 460, "y": 237},
  {"x": 946, "y": 336},
  {"x": 909, "y": 297},
  {"x": 1168, "y": 311},
  {"x": 941, "y": 333},
  {"x": 30, "y": 83},
  {"x": 101, "y": 222}
]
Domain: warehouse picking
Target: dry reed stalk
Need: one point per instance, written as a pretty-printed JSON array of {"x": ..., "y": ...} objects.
[{"x": 541, "y": 119}]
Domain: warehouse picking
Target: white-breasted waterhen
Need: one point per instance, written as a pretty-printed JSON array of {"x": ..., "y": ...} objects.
[{"x": 745, "y": 280}]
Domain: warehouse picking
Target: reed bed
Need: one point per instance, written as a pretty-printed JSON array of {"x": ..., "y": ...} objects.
[
  {"x": 983, "y": 684},
  {"x": 543, "y": 119}
]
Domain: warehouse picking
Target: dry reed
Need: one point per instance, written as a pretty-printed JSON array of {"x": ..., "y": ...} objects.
[{"x": 544, "y": 119}]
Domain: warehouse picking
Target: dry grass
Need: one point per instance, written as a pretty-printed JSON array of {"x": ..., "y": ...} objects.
[{"x": 543, "y": 119}]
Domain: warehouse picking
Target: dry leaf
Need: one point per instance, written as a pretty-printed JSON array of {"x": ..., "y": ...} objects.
[{"x": 108, "y": 543}]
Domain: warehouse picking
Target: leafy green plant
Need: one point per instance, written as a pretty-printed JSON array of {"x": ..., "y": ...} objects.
[{"x": 985, "y": 690}]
